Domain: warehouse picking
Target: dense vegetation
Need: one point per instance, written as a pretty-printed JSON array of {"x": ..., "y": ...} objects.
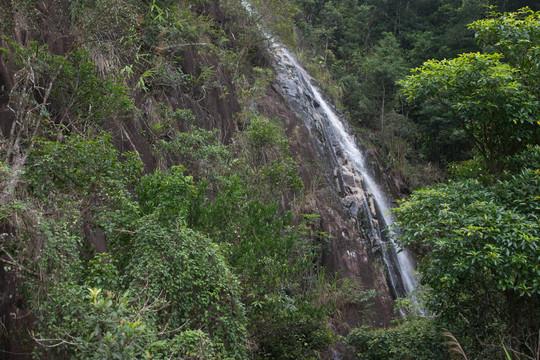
[
  {"x": 194, "y": 253},
  {"x": 362, "y": 48},
  {"x": 479, "y": 231},
  {"x": 113, "y": 258},
  {"x": 473, "y": 109}
]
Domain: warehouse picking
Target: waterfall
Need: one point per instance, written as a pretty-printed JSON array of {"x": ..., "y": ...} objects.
[
  {"x": 348, "y": 161},
  {"x": 354, "y": 181}
]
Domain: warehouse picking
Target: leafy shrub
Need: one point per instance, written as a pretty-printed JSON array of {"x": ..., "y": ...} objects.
[
  {"x": 288, "y": 328},
  {"x": 418, "y": 339},
  {"x": 282, "y": 172},
  {"x": 264, "y": 139},
  {"x": 189, "y": 345},
  {"x": 186, "y": 269},
  {"x": 81, "y": 96},
  {"x": 529, "y": 158},
  {"x": 200, "y": 150},
  {"x": 78, "y": 99},
  {"x": 177, "y": 278},
  {"x": 96, "y": 324},
  {"x": 170, "y": 195},
  {"x": 482, "y": 261},
  {"x": 179, "y": 265},
  {"x": 475, "y": 168},
  {"x": 81, "y": 166}
]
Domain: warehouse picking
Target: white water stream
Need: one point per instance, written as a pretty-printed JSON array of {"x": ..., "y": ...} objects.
[
  {"x": 298, "y": 85},
  {"x": 351, "y": 152}
]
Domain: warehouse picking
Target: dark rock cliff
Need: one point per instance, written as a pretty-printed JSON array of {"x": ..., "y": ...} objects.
[{"x": 214, "y": 107}]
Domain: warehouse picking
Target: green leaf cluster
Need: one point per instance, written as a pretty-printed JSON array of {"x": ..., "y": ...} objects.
[
  {"x": 481, "y": 247},
  {"x": 492, "y": 97},
  {"x": 174, "y": 278},
  {"x": 484, "y": 97},
  {"x": 413, "y": 339}
]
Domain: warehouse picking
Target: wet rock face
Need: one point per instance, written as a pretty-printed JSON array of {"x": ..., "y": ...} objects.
[
  {"x": 348, "y": 257},
  {"x": 346, "y": 182},
  {"x": 346, "y": 254},
  {"x": 364, "y": 191},
  {"x": 353, "y": 247}
]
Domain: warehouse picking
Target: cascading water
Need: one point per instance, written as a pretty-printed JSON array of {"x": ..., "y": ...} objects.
[
  {"x": 349, "y": 163},
  {"x": 354, "y": 181}
]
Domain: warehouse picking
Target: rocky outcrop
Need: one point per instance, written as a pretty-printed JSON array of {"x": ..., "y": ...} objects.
[
  {"x": 362, "y": 190},
  {"x": 346, "y": 254}
]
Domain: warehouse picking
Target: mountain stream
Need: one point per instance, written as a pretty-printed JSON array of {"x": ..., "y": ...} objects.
[{"x": 359, "y": 190}]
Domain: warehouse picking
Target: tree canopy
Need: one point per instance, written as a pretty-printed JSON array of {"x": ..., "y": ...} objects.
[
  {"x": 477, "y": 234},
  {"x": 492, "y": 97},
  {"x": 484, "y": 97}
]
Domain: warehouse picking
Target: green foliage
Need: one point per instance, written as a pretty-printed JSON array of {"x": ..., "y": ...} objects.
[
  {"x": 277, "y": 15},
  {"x": 263, "y": 138},
  {"x": 100, "y": 22},
  {"x": 198, "y": 259},
  {"x": 96, "y": 324},
  {"x": 85, "y": 97},
  {"x": 52, "y": 248},
  {"x": 413, "y": 339},
  {"x": 102, "y": 271},
  {"x": 516, "y": 36},
  {"x": 191, "y": 345},
  {"x": 169, "y": 195},
  {"x": 366, "y": 46},
  {"x": 353, "y": 38},
  {"x": 179, "y": 277},
  {"x": 80, "y": 97},
  {"x": 273, "y": 261},
  {"x": 529, "y": 158},
  {"x": 266, "y": 255},
  {"x": 395, "y": 144},
  {"x": 258, "y": 247},
  {"x": 256, "y": 90},
  {"x": 71, "y": 321},
  {"x": 335, "y": 293},
  {"x": 278, "y": 338},
  {"x": 275, "y": 264},
  {"x": 484, "y": 97},
  {"x": 175, "y": 263},
  {"x": 198, "y": 149},
  {"x": 475, "y": 168},
  {"x": 482, "y": 248},
  {"x": 186, "y": 269},
  {"x": 110, "y": 329},
  {"x": 371, "y": 87},
  {"x": 81, "y": 166},
  {"x": 269, "y": 170},
  {"x": 115, "y": 334},
  {"x": 469, "y": 232},
  {"x": 175, "y": 21},
  {"x": 316, "y": 67},
  {"x": 493, "y": 98},
  {"x": 282, "y": 172}
]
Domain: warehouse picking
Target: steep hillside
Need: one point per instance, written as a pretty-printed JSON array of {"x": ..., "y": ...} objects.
[
  {"x": 469, "y": 114},
  {"x": 159, "y": 198}
]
